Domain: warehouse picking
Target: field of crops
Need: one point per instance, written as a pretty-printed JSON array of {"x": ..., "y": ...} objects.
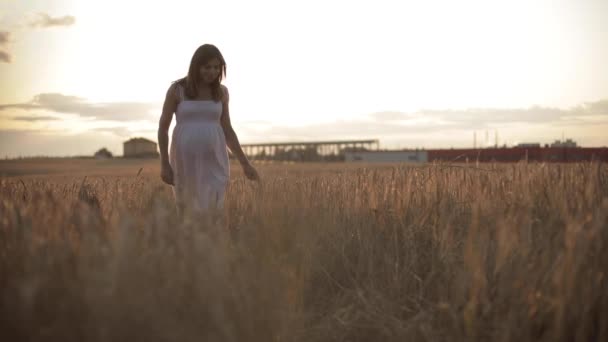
[{"x": 93, "y": 250}]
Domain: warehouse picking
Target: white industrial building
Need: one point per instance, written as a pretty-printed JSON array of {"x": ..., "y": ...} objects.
[{"x": 408, "y": 156}]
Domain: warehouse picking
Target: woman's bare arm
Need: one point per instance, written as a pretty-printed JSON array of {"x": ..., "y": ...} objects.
[
  {"x": 166, "y": 116},
  {"x": 231, "y": 139}
]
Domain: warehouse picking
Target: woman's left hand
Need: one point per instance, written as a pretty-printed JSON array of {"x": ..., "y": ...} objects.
[{"x": 250, "y": 172}]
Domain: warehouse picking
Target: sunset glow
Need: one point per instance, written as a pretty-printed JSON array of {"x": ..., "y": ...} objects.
[{"x": 412, "y": 74}]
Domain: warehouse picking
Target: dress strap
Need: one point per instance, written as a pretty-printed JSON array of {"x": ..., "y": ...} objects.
[{"x": 180, "y": 92}]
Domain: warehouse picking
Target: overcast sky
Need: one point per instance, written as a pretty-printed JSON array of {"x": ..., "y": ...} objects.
[{"x": 80, "y": 75}]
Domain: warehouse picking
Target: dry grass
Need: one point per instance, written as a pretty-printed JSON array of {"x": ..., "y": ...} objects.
[{"x": 314, "y": 253}]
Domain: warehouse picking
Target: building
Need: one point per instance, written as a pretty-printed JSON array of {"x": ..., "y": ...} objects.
[
  {"x": 140, "y": 148},
  {"x": 406, "y": 156},
  {"x": 564, "y": 143},
  {"x": 368, "y": 151},
  {"x": 332, "y": 150},
  {"x": 527, "y": 145}
]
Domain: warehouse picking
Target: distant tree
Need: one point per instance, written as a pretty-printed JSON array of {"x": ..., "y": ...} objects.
[{"x": 103, "y": 153}]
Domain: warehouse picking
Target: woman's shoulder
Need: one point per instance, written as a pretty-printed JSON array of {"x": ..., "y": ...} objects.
[
  {"x": 225, "y": 94},
  {"x": 172, "y": 91},
  {"x": 175, "y": 87},
  {"x": 178, "y": 83}
]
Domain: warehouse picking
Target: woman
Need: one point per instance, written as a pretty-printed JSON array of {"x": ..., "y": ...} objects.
[{"x": 197, "y": 164}]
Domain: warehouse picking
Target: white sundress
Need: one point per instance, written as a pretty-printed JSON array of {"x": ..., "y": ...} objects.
[{"x": 198, "y": 154}]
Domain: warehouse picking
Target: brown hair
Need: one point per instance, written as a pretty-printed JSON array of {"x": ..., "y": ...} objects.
[{"x": 202, "y": 56}]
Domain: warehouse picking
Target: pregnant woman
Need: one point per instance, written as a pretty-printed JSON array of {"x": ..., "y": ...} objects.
[{"x": 197, "y": 165}]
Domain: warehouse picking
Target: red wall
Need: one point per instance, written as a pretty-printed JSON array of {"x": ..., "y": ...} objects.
[{"x": 549, "y": 154}]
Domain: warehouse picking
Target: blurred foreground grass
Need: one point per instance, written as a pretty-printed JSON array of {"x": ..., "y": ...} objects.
[{"x": 313, "y": 253}]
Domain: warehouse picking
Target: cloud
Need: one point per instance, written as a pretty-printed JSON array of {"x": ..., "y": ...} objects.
[
  {"x": 41, "y": 20},
  {"x": 391, "y": 116},
  {"x": 486, "y": 117},
  {"x": 339, "y": 129},
  {"x": 5, "y": 37},
  {"x": 425, "y": 126},
  {"x": 125, "y": 119},
  {"x": 44, "y": 20},
  {"x": 126, "y": 131},
  {"x": 66, "y": 104},
  {"x": 123, "y": 132},
  {"x": 15, "y": 143},
  {"x": 34, "y": 118},
  {"x": 593, "y": 108},
  {"x": 5, "y": 57}
]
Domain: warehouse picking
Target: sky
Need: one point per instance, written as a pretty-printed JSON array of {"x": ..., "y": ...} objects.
[{"x": 79, "y": 75}]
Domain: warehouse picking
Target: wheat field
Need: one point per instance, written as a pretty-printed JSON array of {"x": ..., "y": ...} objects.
[{"x": 94, "y": 251}]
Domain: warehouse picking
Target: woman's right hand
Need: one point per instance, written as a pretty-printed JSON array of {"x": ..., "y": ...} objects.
[
  {"x": 250, "y": 172},
  {"x": 166, "y": 173}
]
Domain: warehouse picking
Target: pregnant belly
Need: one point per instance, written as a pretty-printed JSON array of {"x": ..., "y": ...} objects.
[{"x": 198, "y": 139}]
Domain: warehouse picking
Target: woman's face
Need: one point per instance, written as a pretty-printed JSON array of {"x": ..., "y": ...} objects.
[{"x": 210, "y": 71}]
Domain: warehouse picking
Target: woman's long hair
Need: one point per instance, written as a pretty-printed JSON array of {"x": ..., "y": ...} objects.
[{"x": 202, "y": 56}]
